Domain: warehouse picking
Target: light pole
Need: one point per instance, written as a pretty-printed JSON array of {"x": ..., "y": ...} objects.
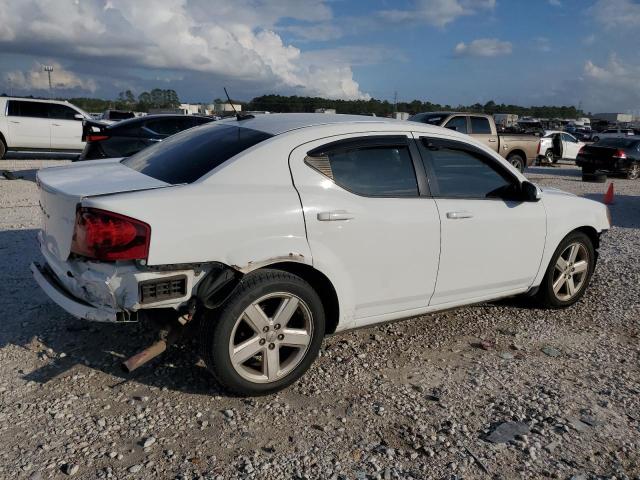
[{"x": 49, "y": 69}]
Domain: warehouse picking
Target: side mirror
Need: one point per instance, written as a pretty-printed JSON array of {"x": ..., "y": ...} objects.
[
  {"x": 530, "y": 192},
  {"x": 452, "y": 127},
  {"x": 78, "y": 116}
]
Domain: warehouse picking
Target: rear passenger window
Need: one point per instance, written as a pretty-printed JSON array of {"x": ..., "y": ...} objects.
[
  {"x": 376, "y": 171},
  {"x": 21, "y": 108},
  {"x": 480, "y": 125},
  {"x": 458, "y": 172},
  {"x": 459, "y": 124}
]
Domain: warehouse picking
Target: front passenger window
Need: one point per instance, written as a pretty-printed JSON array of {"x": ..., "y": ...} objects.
[{"x": 458, "y": 172}]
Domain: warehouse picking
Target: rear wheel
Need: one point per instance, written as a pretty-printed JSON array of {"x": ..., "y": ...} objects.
[
  {"x": 569, "y": 272},
  {"x": 634, "y": 171},
  {"x": 3, "y": 149},
  {"x": 266, "y": 335},
  {"x": 517, "y": 161},
  {"x": 596, "y": 139},
  {"x": 549, "y": 157}
]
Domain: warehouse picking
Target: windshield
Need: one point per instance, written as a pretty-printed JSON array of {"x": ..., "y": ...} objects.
[
  {"x": 430, "y": 118},
  {"x": 188, "y": 155}
]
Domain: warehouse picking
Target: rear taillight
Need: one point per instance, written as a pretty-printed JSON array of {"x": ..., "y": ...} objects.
[
  {"x": 619, "y": 154},
  {"x": 109, "y": 236},
  {"x": 581, "y": 151},
  {"x": 539, "y": 143},
  {"x": 92, "y": 137}
]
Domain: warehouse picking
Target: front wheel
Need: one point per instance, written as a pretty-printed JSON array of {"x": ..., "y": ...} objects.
[
  {"x": 595, "y": 139},
  {"x": 634, "y": 171},
  {"x": 266, "y": 335},
  {"x": 517, "y": 161},
  {"x": 569, "y": 272},
  {"x": 3, "y": 149}
]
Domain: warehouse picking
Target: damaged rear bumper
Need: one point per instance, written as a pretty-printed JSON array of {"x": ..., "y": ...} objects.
[{"x": 66, "y": 301}]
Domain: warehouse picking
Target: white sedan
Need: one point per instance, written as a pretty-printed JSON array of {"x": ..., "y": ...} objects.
[
  {"x": 555, "y": 145},
  {"x": 269, "y": 233}
]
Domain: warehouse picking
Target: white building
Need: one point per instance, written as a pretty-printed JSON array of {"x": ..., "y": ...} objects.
[
  {"x": 615, "y": 117},
  {"x": 190, "y": 108},
  {"x": 221, "y": 108}
]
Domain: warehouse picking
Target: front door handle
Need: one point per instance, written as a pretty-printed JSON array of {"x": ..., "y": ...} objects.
[
  {"x": 459, "y": 215},
  {"x": 334, "y": 215},
  {"x": 493, "y": 140}
]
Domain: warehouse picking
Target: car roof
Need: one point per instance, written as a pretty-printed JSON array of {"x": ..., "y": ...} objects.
[
  {"x": 144, "y": 118},
  {"x": 41, "y": 100},
  {"x": 277, "y": 123}
]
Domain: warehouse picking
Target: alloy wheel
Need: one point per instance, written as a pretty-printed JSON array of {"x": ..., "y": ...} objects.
[
  {"x": 571, "y": 271},
  {"x": 271, "y": 337},
  {"x": 634, "y": 171}
]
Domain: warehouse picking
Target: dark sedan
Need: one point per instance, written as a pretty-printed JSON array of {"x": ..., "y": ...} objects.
[
  {"x": 127, "y": 137},
  {"x": 612, "y": 155}
]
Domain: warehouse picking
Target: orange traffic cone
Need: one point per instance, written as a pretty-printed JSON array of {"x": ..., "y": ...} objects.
[{"x": 608, "y": 197}]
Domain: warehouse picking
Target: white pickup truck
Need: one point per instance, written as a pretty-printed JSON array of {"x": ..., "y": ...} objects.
[{"x": 34, "y": 125}]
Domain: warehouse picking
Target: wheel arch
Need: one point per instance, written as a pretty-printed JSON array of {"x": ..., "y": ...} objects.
[
  {"x": 518, "y": 152},
  {"x": 590, "y": 232},
  {"x": 321, "y": 284}
]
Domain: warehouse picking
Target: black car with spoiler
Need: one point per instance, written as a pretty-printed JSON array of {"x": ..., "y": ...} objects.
[
  {"x": 612, "y": 155},
  {"x": 123, "y": 139}
]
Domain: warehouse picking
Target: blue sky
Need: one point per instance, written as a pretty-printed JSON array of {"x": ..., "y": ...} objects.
[{"x": 527, "y": 52}]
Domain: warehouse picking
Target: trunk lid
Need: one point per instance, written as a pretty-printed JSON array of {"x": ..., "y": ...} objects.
[
  {"x": 63, "y": 188},
  {"x": 599, "y": 152}
]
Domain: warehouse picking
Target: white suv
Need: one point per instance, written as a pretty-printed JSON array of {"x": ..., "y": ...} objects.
[
  {"x": 33, "y": 125},
  {"x": 613, "y": 133},
  {"x": 269, "y": 232}
]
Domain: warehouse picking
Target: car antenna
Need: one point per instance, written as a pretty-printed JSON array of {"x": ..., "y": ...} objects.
[{"x": 239, "y": 116}]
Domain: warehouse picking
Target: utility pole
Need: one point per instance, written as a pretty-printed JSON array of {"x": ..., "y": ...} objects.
[
  {"x": 395, "y": 101},
  {"x": 49, "y": 69}
]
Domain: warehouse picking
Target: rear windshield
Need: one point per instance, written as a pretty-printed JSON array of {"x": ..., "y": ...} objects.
[
  {"x": 187, "y": 156},
  {"x": 618, "y": 142}
]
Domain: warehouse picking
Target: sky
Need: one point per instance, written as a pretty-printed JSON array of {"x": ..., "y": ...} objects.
[{"x": 526, "y": 52}]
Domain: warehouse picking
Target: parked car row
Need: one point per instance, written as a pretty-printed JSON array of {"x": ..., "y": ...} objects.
[{"x": 51, "y": 126}]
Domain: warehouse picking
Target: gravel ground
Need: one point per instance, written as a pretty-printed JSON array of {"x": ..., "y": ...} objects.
[{"x": 558, "y": 392}]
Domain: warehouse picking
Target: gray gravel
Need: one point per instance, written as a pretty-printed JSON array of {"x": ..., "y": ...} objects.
[{"x": 415, "y": 399}]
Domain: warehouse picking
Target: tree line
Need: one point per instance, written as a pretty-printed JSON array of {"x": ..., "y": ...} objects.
[
  {"x": 279, "y": 103},
  {"x": 160, "y": 98},
  {"x": 126, "y": 100}
]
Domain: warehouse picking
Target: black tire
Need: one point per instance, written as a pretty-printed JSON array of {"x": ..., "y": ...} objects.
[
  {"x": 634, "y": 171},
  {"x": 3, "y": 149},
  {"x": 517, "y": 161},
  {"x": 216, "y": 328},
  {"x": 595, "y": 139},
  {"x": 549, "y": 157},
  {"x": 546, "y": 297},
  {"x": 594, "y": 177}
]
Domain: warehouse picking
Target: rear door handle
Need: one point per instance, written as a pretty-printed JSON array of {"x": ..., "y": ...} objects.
[
  {"x": 459, "y": 215},
  {"x": 493, "y": 140},
  {"x": 15, "y": 121},
  {"x": 334, "y": 215}
]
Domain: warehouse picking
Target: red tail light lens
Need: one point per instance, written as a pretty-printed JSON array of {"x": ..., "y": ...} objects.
[
  {"x": 620, "y": 154},
  {"x": 581, "y": 151},
  {"x": 539, "y": 143},
  {"x": 96, "y": 138},
  {"x": 109, "y": 236}
]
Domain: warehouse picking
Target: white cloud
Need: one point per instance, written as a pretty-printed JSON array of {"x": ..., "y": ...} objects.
[
  {"x": 555, "y": 3},
  {"x": 236, "y": 40},
  {"x": 542, "y": 44},
  {"x": 613, "y": 85},
  {"x": 616, "y": 14},
  {"x": 38, "y": 79},
  {"x": 483, "y": 47},
  {"x": 439, "y": 12}
]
